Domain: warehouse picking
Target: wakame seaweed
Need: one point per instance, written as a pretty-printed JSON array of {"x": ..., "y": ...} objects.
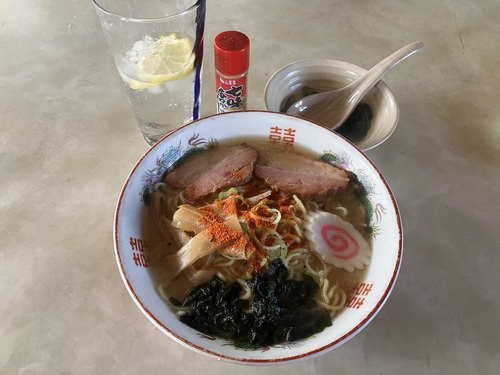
[{"x": 282, "y": 310}]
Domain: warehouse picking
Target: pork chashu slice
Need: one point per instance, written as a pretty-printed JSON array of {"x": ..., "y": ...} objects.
[
  {"x": 302, "y": 175},
  {"x": 214, "y": 170}
]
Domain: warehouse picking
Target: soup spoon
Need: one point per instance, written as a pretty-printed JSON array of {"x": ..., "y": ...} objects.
[{"x": 331, "y": 108}]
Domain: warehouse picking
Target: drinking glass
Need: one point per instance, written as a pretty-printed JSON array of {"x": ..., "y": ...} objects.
[{"x": 157, "y": 46}]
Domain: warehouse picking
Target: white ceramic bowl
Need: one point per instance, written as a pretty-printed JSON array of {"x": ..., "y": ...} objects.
[
  {"x": 324, "y": 75},
  {"x": 133, "y": 234}
]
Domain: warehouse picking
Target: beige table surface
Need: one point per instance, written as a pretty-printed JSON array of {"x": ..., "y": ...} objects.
[{"x": 68, "y": 140}]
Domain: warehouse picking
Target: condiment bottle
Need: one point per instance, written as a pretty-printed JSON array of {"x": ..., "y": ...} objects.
[{"x": 232, "y": 60}]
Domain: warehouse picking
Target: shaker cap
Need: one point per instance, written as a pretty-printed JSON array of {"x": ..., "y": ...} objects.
[{"x": 232, "y": 52}]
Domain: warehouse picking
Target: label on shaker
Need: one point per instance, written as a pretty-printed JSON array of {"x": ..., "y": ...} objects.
[{"x": 231, "y": 94}]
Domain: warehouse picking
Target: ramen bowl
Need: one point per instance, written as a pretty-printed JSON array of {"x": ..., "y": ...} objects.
[
  {"x": 374, "y": 120},
  {"x": 135, "y": 236}
]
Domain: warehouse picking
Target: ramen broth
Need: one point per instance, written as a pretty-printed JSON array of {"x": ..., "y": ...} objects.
[{"x": 347, "y": 205}]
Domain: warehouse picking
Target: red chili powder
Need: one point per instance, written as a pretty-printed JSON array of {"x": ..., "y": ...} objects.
[
  {"x": 220, "y": 233},
  {"x": 237, "y": 176},
  {"x": 228, "y": 206}
]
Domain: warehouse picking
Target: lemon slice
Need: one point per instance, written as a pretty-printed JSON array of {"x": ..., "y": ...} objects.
[{"x": 165, "y": 59}]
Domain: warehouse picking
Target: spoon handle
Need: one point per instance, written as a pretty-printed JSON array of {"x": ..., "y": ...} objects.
[{"x": 375, "y": 74}]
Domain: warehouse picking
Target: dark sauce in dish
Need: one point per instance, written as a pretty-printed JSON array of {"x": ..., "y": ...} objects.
[{"x": 355, "y": 128}]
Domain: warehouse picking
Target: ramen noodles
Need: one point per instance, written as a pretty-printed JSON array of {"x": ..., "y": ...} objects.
[{"x": 265, "y": 244}]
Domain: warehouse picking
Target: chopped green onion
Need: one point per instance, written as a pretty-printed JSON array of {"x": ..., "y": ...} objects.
[{"x": 226, "y": 194}]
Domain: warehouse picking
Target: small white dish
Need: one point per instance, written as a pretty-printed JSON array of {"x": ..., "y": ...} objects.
[
  {"x": 135, "y": 235},
  {"x": 323, "y": 75}
]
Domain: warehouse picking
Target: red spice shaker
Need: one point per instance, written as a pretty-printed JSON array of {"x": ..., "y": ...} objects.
[{"x": 232, "y": 60}]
